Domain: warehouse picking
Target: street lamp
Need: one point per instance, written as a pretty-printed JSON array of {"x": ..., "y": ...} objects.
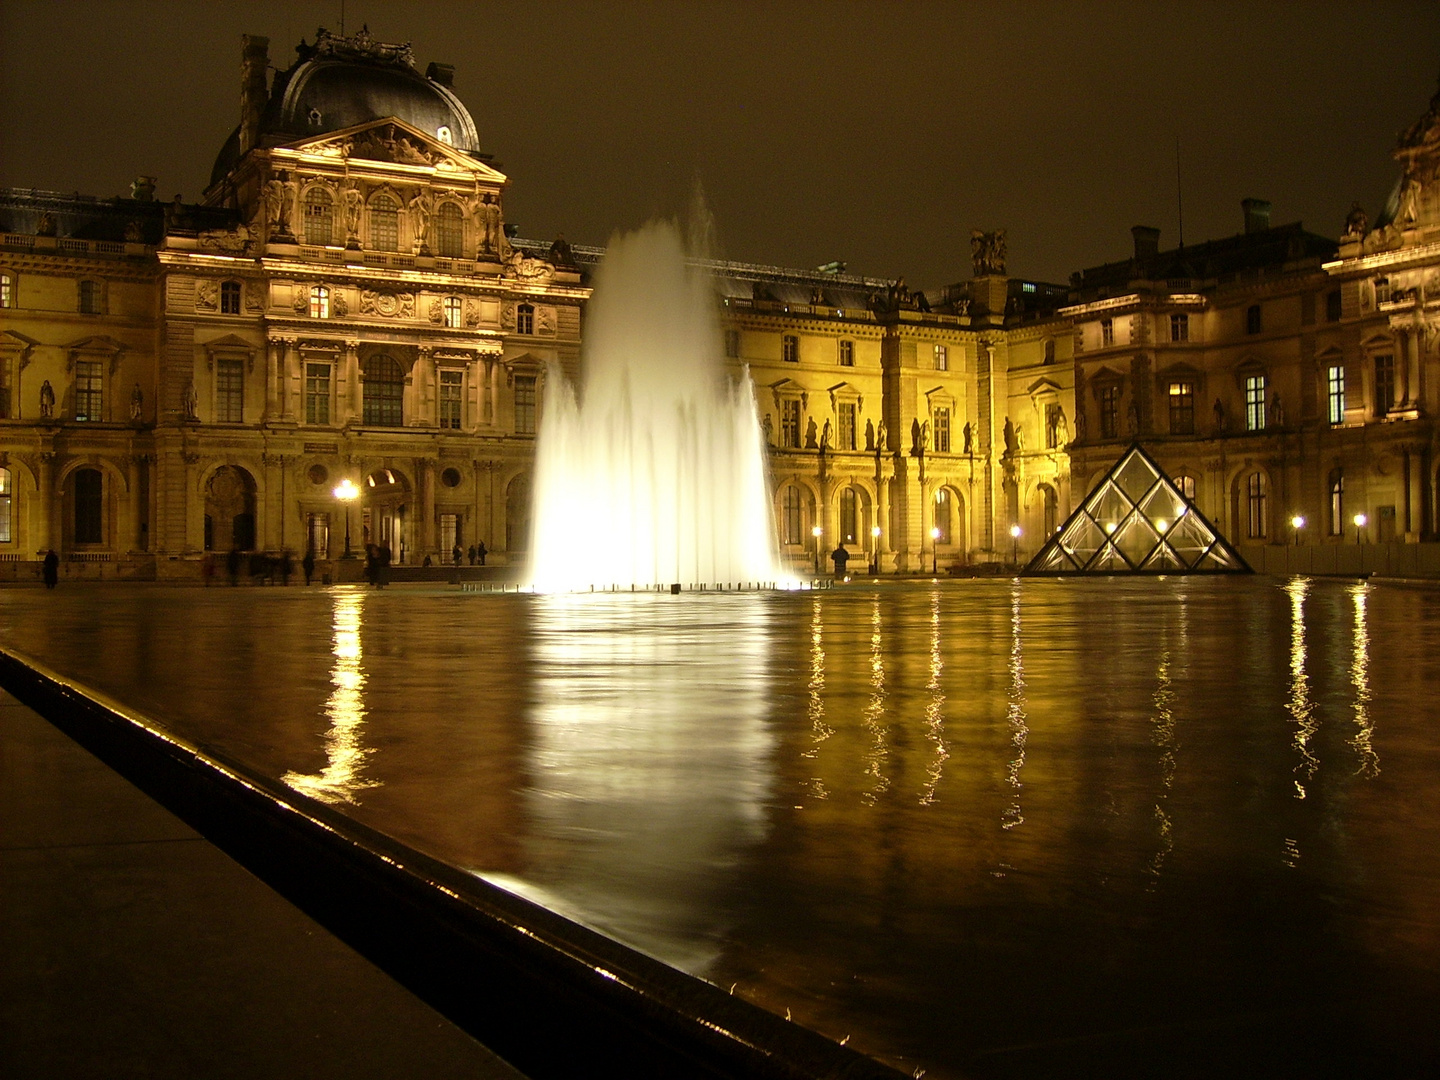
[
  {"x": 934, "y": 552},
  {"x": 347, "y": 493},
  {"x": 815, "y": 532},
  {"x": 874, "y": 549},
  {"x": 1015, "y": 544},
  {"x": 1360, "y": 520},
  {"x": 1296, "y": 524}
]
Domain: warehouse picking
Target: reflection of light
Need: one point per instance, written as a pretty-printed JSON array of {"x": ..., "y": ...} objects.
[
  {"x": 1015, "y": 715},
  {"x": 1161, "y": 524},
  {"x": 340, "y": 780},
  {"x": 875, "y": 711},
  {"x": 1360, "y": 677},
  {"x": 1164, "y": 736},
  {"x": 934, "y": 715},
  {"x": 1300, "y": 705},
  {"x": 1109, "y": 526},
  {"x": 819, "y": 730}
]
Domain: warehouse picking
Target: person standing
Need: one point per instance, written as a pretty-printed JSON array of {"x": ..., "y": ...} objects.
[
  {"x": 480, "y": 553},
  {"x": 307, "y": 564},
  {"x": 51, "y": 568},
  {"x": 839, "y": 557},
  {"x": 457, "y": 555}
]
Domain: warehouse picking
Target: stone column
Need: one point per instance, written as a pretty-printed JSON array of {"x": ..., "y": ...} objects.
[
  {"x": 132, "y": 481},
  {"x": 353, "y": 398},
  {"x": 426, "y": 394},
  {"x": 1414, "y": 492},
  {"x": 424, "y": 508},
  {"x": 882, "y": 507},
  {"x": 49, "y": 509},
  {"x": 274, "y": 376},
  {"x": 289, "y": 358}
]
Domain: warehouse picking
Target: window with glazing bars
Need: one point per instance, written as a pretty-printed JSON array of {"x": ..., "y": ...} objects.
[
  {"x": 790, "y": 349},
  {"x": 382, "y": 392},
  {"x": 319, "y": 302},
  {"x": 525, "y": 319},
  {"x": 1255, "y": 498},
  {"x": 7, "y": 291},
  {"x": 89, "y": 506},
  {"x": 229, "y": 391},
  {"x": 89, "y": 390},
  {"x": 1109, "y": 411},
  {"x": 449, "y": 231},
  {"x": 318, "y": 217},
  {"x": 89, "y": 298},
  {"x": 450, "y": 385},
  {"x": 452, "y": 311},
  {"x": 847, "y": 425},
  {"x": 229, "y": 298},
  {"x": 847, "y": 353},
  {"x": 1255, "y": 403},
  {"x": 384, "y": 224},
  {"x": 1180, "y": 327},
  {"x": 1107, "y": 332},
  {"x": 1182, "y": 408},
  {"x": 849, "y": 515},
  {"x": 525, "y": 404},
  {"x": 940, "y": 422},
  {"x": 317, "y": 535},
  {"x": 790, "y": 424},
  {"x": 1384, "y": 384},
  {"x": 791, "y": 516},
  {"x": 942, "y": 358},
  {"x": 1336, "y": 395},
  {"x": 317, "y": 393},
  {"x": 732, "y": 344},
  {"x": 5, "y": 535},
  {"x": 1337, "y": 502}
]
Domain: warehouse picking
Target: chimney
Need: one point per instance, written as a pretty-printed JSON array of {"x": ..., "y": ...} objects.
[
  {"x": 1147, "y": 242},
  {"x": 254, "y": 62},
  {"x": 1257, "y": 214},
  {"x": 444, "y": 74}
]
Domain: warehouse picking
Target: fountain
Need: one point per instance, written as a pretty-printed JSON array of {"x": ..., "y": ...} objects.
[{"x": 654, "y": 472}]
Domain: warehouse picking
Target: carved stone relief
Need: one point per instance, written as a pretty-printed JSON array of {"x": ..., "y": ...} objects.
[{"x": 207, "y": 295}]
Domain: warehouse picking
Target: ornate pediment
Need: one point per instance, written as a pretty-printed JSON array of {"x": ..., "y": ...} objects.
[
  {"x": 394, "y": 142},
  {"x": 93, "y": 347},
  {"x": 16, "y": 344}
]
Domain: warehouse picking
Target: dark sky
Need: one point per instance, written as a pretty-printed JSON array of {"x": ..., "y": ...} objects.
[{"x": 876, "y": 133}]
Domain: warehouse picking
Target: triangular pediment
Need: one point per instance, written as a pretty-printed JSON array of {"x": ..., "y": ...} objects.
[
  {"x": 1043, "y": 386},
  {"x": 394, "y": 142},
  {"x": 1136, "y": 521},
  {"x": 10, "y": 339},
  {"x": 96, "y": 343}
]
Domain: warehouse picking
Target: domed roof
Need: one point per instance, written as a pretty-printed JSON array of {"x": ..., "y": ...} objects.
[{"x": 340, "y": 82}]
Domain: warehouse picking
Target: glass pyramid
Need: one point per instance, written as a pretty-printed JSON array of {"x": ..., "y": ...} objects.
[{"x": 1136, "y": 521}]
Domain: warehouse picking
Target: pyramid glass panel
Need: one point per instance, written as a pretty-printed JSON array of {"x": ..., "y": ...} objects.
[
  {"x": 1108, "y": 560},
  {"x": 1135, "y": 476},
  {"x": 1163, "y": 503},
  {"x": 1163, "y": 558},
  {"x": 1057, "y": 560},
  {"x": 1190, "y": 538},
  {"x": 1108, "y": 506},
  {"x": 1136, "y": 538},
  {"x": 1082, "y": 537}
]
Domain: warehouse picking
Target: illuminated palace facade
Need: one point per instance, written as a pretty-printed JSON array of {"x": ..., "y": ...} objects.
[{"x": 348, "y": 303}]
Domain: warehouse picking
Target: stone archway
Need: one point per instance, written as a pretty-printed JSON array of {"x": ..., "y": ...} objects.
[
  {"x": 230, "y": 510},
  {"x": 385, "y": 513}
]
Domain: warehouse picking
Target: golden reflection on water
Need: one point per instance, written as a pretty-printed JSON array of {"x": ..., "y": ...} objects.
[
  {"x": 879, "y": 750},
  {"x": 934, "y": 708},
  {"x": 1300, "y": 706},
  {"x": 1360, "y": 678},
  {"x": 1015, "y": 715},
  {"x": 819, "y": 730},
  {"x": 341, "y": 780},
  {"x": 1164, "y": 735}
]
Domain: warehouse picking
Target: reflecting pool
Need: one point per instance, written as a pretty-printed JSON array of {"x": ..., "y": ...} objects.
[{"x": 1107, "y": 827}]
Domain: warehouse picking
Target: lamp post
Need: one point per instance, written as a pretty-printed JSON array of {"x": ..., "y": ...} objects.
[
  {"x": 874, "y": 549},
  {"x": 1015, "y": 544},
  {"x": 815, "y": 532},
  {"x": 347, "y": 493},
  {"x": 934, "y": 551},
  {"x": 1360, "y": 521},
  {"x": 1296, "y": 524}
]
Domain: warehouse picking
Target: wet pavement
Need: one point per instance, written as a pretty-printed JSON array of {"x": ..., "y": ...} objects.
[{"x": 1094, "y": 828}]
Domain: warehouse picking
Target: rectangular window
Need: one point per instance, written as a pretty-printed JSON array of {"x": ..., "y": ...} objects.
[
  {"x": 230, "y": 298},
  {"x": 452, "y": 312},
  {"x": 1186, "y": 486},
  {"x": 1332, "y": 306},
  {"x": 940, "y": 422},
  {"x": 1180, "y": 327},
  {"x": 525, "y": 319},
  {"x": 317, "y": 393},
  {"x": 791, "y": 518},
  {"x": 5, "y": 535},
  {"x": 1252, "y": 319},
  {"x": 1382, "y": 290},
  {"x": 1182, "y": 408},
  {"x": 7, "y": 291},
  {"x": 732, "y": 344},
  {"x": 1255, "y": 507},
  {"x": 847, "y": 354},
  {"x": 89, "y": 389},
  {"x": 319, "y": 302},
  {"x": 1109, "y": 412},
  {"x": 317, "y": 535},
  {"x": 1107, "y": 332},
  {"x": 942, "y": 358},
  {"x": 1255, "y": 403},
  {"x": 449, "y": 534},
  {"x": 450, "y": 385},
  {"x": 790, "y": 424},
  {"x": 790, "y": 349},
  {"x": 847, "y": 425},
  {"x": 1384, "y": 384},
  {"x": 1336, "y": 384},
  {"x": 90, "y": 298},
  {"x": 229, "y": 391},
  {"x": 525, "y": 404},
  {"x": 1337, "y": 502}
]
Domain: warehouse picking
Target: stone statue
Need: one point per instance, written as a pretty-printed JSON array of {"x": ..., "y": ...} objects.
[
  {"x": 560, "y": 253},
  {"x": 1020, "y": 438},
  {"x": 1219, "y": 417},
  {"x": 1277, "y": 412},
  {"x": 137, "y": 404},
  {"x": 987, "y": 252},
  {"x": 354, "y": 203},
  {"x": 811, "y": 438},
  {"x": 916, "y": 448},
  {"x": 1080, "y": 422},
  {"x": 1356, "y": 222},
  {"x": 420, "y": 218},
  {"x": 881, "y": 437},
  {"x": 1009, "y": 434},
  {"x": 1132, "y": 418},
  {"x": 495, "y": 240},
  {"x": 190, "y": 402},
  {"x": 870, "y": 435},
  {"x": 825, "y": 435},
  {"x": 767, "y": 426},
  {"x": 1062, "y": 430},
  {"x": 47, "y": 401},
  {"x": 276, "y": 213},
  {"x": 967, "y": 433}
]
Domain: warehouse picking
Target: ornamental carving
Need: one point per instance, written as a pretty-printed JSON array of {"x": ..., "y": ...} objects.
[
  {"x": 384, "y": 144},
  {"x": 987, "y": 251},
  {"x": 545, "y": 321},
  {"x": 507, "y": 316},
  {"x": 388, "y": 305},
  {"x": 230, "y": 241},
  {"x": 207, "y": 296},
  {"x": 301, "y": 302},
  {"x": 528, "y": 268},
  {"x": 254, "y": 300},
  {"x": 436, "y": 311},
  {"x": 338, "y": 304},
  {"x": 472, "y": 313}
]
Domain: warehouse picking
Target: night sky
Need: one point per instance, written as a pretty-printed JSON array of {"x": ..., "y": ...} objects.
[{"x": 875, "y": 133}]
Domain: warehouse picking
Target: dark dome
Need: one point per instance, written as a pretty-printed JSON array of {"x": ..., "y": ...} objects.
[{"x": 340, "y": 82}]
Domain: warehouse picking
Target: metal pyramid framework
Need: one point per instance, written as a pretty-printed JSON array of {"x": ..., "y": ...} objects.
[{"x": 1136, "y": 521}]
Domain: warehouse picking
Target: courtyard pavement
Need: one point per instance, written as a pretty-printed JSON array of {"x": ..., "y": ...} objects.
[{"x": 131, "y": 947}]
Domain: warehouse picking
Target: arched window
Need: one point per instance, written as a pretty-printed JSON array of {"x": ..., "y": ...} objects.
[
  {"x": 449, "y": 231},
  {"x": 319, "y": 217},
  {"x": 849, "y": 516},
  {"x": 791, "y": 516},
  {"x": 5, "y": 534},
  {"x": 383, "y": 391},
  {"x": 229, "y": 298},
  {"x": 1256, "y": 497},
  {"x": 943, "y": 516},
  {"x": 384, "y": 224},
  {"x": 1337, "y": 502},
  {"x": 525, "y": 319},
  {"x": 319, "y": 302},
  {"x": 7, "y": 290},
  {"x": 89, "y": 504}
]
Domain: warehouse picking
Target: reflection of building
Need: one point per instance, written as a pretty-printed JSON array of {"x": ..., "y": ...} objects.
[{"x": 346, "y": 303}]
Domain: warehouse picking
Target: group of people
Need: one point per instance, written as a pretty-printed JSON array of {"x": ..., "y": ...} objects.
[
  {"x": 377, "y": 564},
  {"x": 475, "y": 553}
]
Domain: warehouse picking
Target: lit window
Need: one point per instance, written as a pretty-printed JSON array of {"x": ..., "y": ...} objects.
[
  {"x": 790, "y": 349},
  {"x": 1252, "y": 319},
  {"x": 318, "y": 217},
  {"x": 1337, "y": 502},
  {"x": 1255, "y": 499},
  {"x": 940, "y": 422},
  {"x": 847, "y": 353},
  {"x": 849, "y": 515},
  {"x": 942, "y": 358},
  {"x": 1107, "y": 332},
  {"x": 7, "y": 291},
  {"x": 452, "y": 312},
  {"x": 1109, "y": 411},
  {"x": 732, "y": 344},
  {"x": 229, "y": 298},
  {"x": 5, "y": 534},
  {"x": 525, "y": 319},
  {"x": 319, "y": 302},
  {"x": 89, "y": 298},
  {"x": 450, "y": 384},
  {"x": 317, "y": 535},
  {"x": 1180, "y": 327},
  {"x": 847, "y": 425},
  {"x": 942, "y": 517},
  {"x": 1182, "y": 408},
  {"x": 1186, "y": 486},
  {"x": 1384, "y": 384},
  {"x": 790, "y": 424},
  {"x": 89, "y": 390},
  {"x": 525, "y": 404},
  {"x": 1255, "y": 403},
  {"x": 89, "y": 505},
  {"x": 1336, "y": 396},
  {"x": 384, "y": 224},
  {"x": 449, "y": 535},
  {"x": 317, "y": 393},
  {"x": 791, "y": 517},
  {"x": 382, "y": 392},
  {"x": 449, "y": 231},
  {"x": 229, "y": 391}
]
